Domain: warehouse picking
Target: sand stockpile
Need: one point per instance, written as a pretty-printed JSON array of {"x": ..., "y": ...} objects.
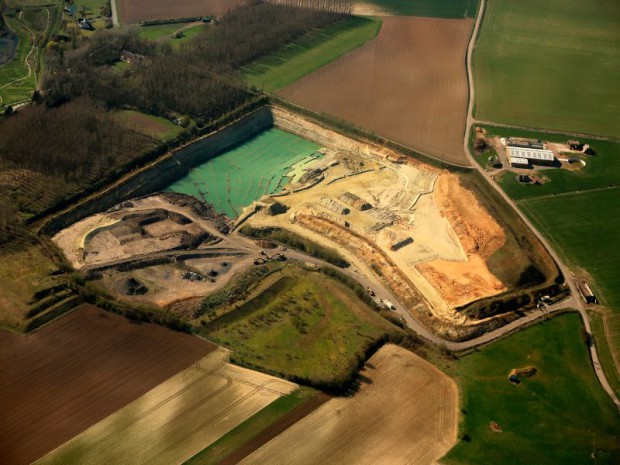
[{"x": 480, "y": 236}]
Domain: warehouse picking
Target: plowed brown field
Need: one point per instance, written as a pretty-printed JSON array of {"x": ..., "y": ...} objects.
[
  {"x": 73, "y": 373},
  {"x": 135, "y": 11},
  {"x": 409, "y": 85}
]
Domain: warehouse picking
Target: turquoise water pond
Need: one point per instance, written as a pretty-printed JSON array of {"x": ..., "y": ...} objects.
[{"x": 256, "y": 167}]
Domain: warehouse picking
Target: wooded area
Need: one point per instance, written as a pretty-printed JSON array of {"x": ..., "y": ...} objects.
[{"x": 72, "y": 138}]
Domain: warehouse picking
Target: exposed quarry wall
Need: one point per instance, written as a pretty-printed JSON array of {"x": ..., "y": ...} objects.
[{"x": 164, "y": 171}]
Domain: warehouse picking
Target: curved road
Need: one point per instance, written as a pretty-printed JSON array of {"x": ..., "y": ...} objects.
[{"x": 576, "y": 302}]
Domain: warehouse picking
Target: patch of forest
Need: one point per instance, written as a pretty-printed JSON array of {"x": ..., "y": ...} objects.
[{"x": 70, "y": 139}]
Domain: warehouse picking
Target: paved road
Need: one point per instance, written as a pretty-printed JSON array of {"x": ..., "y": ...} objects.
[{"x": 570, "y": 279}]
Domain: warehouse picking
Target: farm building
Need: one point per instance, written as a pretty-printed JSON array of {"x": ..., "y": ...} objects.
[
  {"x": 525, "y": 143},
  {"x": 519, "y": 162},
  {"x": 587, "y": 293},
  {"x": 518, "y": 155}
]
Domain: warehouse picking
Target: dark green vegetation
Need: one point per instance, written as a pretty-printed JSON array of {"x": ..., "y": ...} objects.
[
  {"x": 531, "y": 56},
  {"x": 304, "y": 327},
  {"x": 310, "y": 52},
  {"x": 297, "y": 242},
  {"x": 560, "y": 415},
  {"x": 432, "y": 8},
  {"x": 522, "y": 263},
  {"x": 241, "y": 435}
]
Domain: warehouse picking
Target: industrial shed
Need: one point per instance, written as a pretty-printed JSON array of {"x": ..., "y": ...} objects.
[{"x": 533, "y": 156}]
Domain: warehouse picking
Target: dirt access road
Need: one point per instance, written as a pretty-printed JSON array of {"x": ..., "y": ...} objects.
[{"x": 568, "y": 275}]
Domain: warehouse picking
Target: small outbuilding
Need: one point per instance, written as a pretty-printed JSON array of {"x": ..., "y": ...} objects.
[{"x": 587, "y": 294}]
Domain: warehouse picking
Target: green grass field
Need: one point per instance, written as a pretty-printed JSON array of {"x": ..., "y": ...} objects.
[
  {"x": 578, "y": 212},
  {"x": 164, "y": 32},
  {"x": 310, "y": 52},
  {"x": 532, "y": 57},
  {"x": 252, "y": 427},
  {"x": 583, "y": 228},
  {"x": 25, "y": 269},
  {"x": 432, "y": 8},
  {"x": 601, "y": 170},
  {"x": 15, "y": 82},
  {"x": 559, "y": 416},
  {"x": 150, "y": 125},
  {"x": 304, "y": 326}
]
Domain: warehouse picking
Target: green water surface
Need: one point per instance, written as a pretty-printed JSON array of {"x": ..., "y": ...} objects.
[{"x": 256, "y": 167}]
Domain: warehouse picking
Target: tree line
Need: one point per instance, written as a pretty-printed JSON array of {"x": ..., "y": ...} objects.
[
  {"x": 199, "y": 79},
  {"x": 71, "y": 139}
]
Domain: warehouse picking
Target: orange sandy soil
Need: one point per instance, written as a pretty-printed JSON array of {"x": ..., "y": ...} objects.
[
  {"x": 409, "y": 84},
  {"x": 135, "y": 11},
  {"x": 480, "y": 236}
]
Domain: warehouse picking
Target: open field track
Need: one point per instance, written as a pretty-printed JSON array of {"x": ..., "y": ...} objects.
[
  {"x": 405, "y": 409},
  {"x": 177, "y": 419},
  {"x": 59, "y": 381},
  {"x": 408, "y": 84},
  {"x": 136, "y": 11}
]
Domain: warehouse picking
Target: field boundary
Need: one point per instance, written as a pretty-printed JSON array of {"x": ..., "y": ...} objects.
[
  {"x": 545, "y": 130},
  {"x": 363, "y": 135}
]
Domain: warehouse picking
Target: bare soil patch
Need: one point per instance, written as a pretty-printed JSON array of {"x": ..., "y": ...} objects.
[
  {"x": 409, "y": 85},
  {"x": 135, "y": 11},
  {"x": 460, "y": 282},
  {"x": 405, "y": 410},
  {"x": 59, "y": 381},
  {"x": 176, "y": 420}
]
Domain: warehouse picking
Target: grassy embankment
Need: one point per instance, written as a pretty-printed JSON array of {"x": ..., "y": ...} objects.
[
  {"x": 310, "y": 52},
  {"x": 152, "y": 126},
  {"x": 297, "y": 242},
  {"x": 521, "y": 263},
  {"x": 578, "y": 212},
  {"x": 531, "y": 56},
  {"x": 452, "y": 9},
  {"x": 253, "y": 427},
  {"x": 305, "y": 327},
  {"x": 560, "y": 415}
]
